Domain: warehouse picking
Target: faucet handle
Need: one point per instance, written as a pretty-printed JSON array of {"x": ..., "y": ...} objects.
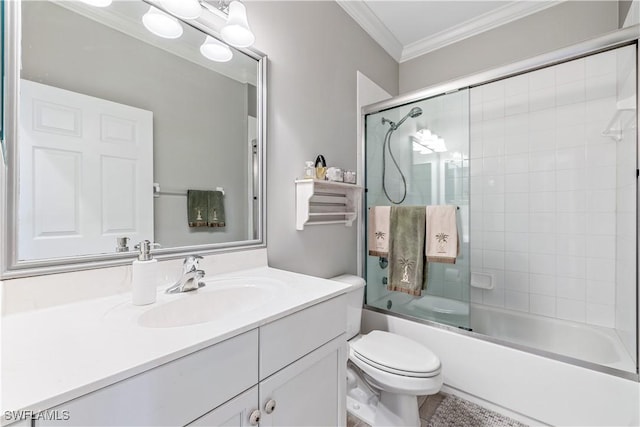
[{"x": 190, "y": 263}]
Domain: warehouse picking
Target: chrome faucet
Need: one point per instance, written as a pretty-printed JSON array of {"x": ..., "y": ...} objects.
[{"x": 191, "y": 276}]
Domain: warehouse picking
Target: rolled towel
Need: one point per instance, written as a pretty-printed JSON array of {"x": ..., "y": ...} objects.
[
  {"x": 378, "y": 231},
  {"x": 442, "y": 243}
]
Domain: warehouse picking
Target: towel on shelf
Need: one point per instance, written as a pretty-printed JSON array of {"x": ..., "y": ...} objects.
[
  {"x": 197, "y": 208},
  {"x": 216, "y": 217},
  {"x": 442, "y": 243},
  {"x": 378, "y": 231},
  {"x": 407, "y": 268}
]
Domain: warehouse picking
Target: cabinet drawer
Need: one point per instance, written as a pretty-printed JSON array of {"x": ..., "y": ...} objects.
[
  {"x": 172, "y": 394},
  {"x": 288, "y": 339}
]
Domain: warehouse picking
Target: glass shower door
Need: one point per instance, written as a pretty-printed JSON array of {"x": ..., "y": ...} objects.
[{"x": 417, "y": 155}]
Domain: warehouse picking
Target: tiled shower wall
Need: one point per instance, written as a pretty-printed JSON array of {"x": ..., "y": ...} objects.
[{"x": 545, "y": 188}]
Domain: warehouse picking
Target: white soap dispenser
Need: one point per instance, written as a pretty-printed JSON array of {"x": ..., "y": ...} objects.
[{"x": 144, "y": 275}]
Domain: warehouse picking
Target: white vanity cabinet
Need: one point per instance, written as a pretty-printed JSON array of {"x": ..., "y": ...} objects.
[{"x": 288, "y": 372}]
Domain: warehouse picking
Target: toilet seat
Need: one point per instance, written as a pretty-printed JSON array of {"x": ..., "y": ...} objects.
[{"x": 396, "y": 354}]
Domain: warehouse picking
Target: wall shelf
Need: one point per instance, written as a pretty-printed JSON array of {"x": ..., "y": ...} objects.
[{"x": 326, "y": 202}]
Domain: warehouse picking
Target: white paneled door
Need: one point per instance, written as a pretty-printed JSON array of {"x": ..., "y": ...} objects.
[{"x": 86, "y": 173}]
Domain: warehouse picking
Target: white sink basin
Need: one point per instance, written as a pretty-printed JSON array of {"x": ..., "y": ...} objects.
[{"x": 219, "y": 299}]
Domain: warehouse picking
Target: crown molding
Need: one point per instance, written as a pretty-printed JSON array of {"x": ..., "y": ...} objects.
[
  {"x": 368, "y": 20},
  {"x": 503, "y": 15}
]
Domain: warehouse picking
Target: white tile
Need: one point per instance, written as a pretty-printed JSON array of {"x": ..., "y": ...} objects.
[
  {"x": 516, "y": 85},
  {"x": 570, "y": 136},
  {"x": 493, "y": 184},
  {"x": 570, "y": 158},
  {"x": 601, "y": 246},
  {"x": 542, "y": 284},
  {"x": 475, "y": 95},
  {"x": 571, "y": 223},
  {"x": 601, "y": 201},
  {"x": 601, "y": 292},
  {"x": 542, "y": 304},
  {"x": 516, "y": 222},
  {"x": 599, "y": 113},
  {"x": 516, "y": 163},
  {"x": 476, "y": 239},
  {"x": 493, "y": 146},
  {"x": 542, "y": 202},
  {"x": 475, "y": 112},
  {"x": 601, "y": 223},
  {"x": 571, "y": 266},
  {"x": 542, "y": 78},
  {"x": 570, "y": 93},
  {"x": 516, "y": 202},
  {"x": 494, "y": 240},
  {"x": 542, "y": 120},
  {"x": 570, "y": 71},
  {"x": 601, "y": 155},
  {"x": 518, "y": 242},
  {"x": 569, "y": 309},
  {"x": 542, "y": 243},
  {"x": 493, "y": 203},
  {"x": 517, "y": 183},
  {"x": 493, "y": 91},
  {"x": 542, "y": 140},
  {"x": 541, "y": 223},
  {"x": 476, "y": 295},
  {"x": 493, "y": 165},
  {"x": 601, "y": 315},
  {"x": 602, "y": 63},
  {"x": 493, "y": 259},
  {"x": 516, "y": 261},
  {"x": 475, "y": 259},
  {"x": 542, "y": 161},
  {"x": 603, "y": 270},
  {"x": 571, "y": 179},
  {"x": 493, "y": 222},
  {"x": 518, "y": 301},
  {"x": 475, "y": 166},
  {"x": 517, "y": 124},
  {"x": 542, "y": 264},
  {"x": 476, "y": 184},
  {"x": 571, "y": 244},
  {"x": 572, "y": 288},
  {"x": 516, "y": 144},
  {"x": 571, "y": 201},
  {"x": 494, "y": 297},
  {"x": 570, "y": 115},
  {"x": 601, "y": 178},
  {"x": 493, "y": 109},
  {"x": 516, "y": 104},
  {"x": 516, "y": 281},
  {"x": 601, "y": 86},
  {"x": 542, "y": 99}
]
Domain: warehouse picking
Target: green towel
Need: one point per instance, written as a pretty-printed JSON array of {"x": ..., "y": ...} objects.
[
  {"x": 216, "y": 209},
  {"x": 197, "y": 208},
  {"x": 407, "y": 268}
]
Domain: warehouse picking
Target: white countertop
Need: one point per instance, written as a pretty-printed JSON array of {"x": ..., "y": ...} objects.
[{"x": 53, "y": 355}]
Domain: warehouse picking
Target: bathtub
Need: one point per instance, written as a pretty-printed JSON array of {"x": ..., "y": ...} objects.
[{"x": 588, "y": 343}]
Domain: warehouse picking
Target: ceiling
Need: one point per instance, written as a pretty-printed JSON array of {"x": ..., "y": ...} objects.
[{"x": 407, "y": 29}]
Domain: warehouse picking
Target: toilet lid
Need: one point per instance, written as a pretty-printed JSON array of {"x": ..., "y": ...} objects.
[{"x": 396, "y": 354}]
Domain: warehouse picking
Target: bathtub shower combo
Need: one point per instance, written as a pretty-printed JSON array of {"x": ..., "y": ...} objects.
[{"x": 542, "y": 165}]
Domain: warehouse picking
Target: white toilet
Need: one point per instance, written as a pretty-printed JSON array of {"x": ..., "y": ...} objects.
[{"x": 390, "y": 370}]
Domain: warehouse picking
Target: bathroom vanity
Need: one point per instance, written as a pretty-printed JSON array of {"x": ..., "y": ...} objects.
[{"x": 281, "y": 362}]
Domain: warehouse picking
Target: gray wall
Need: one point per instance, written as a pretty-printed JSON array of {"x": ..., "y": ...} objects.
[
  {"x": 548, "y": 30},
  {"x": 199, "y": 141},
  {"x": 314, "y": 51}
]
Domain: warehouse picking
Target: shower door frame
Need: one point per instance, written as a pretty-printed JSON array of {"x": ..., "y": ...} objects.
[{"x": 624, "y": 37}]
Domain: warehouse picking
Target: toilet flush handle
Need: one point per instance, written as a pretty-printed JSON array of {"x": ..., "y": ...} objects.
[{"x": 270, "y": 406}]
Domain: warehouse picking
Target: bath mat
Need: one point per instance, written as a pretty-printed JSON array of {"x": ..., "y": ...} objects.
[{"x": 456, "y": 412}]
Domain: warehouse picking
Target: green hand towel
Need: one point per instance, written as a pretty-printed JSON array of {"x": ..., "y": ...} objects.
[
  {"x": 197, "y": 208},
  {"x": 407, "y": 268},
  {"x": 216, "y": 216}
]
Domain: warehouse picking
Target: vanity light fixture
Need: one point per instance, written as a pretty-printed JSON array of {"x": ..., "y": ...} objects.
[
  {"x": 98, "y": 3},
  {"x": 215, "y": 51},
  {"x": 185, "y": 9},
  {"x": 162, "y": 24},
  {"x": 236, "y": 31},
  {"x": 430, "y": 142}
]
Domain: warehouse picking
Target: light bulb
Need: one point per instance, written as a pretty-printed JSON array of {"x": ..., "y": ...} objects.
[
  {"x": 185, "y": 9},
  {"x": 236, "y": 32},
  {"x": 214, "y": 50},
  {"x": 98, "y": 3},
  {"x": 161, "y": 24}
]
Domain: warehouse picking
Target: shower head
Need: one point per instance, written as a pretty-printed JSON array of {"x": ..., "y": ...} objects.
[{"x": 415, "y": 112}]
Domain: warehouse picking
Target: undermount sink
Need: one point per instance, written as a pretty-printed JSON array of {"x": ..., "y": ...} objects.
[{"x": 220, "y": 298}]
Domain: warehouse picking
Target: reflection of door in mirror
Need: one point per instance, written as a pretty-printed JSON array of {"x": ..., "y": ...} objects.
[{"x": 86, "y": 173}]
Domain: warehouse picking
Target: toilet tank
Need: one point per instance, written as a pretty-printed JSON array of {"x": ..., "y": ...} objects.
[{"x": 355, "y": 298}]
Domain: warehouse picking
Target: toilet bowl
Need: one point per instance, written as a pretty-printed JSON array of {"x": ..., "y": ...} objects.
[{"x": 387, "y": 372}]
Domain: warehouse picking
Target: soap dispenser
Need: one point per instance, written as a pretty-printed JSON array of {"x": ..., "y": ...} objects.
[{"x": 144, "y": 275}]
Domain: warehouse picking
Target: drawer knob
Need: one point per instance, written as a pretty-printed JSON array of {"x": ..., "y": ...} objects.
[
  {"x": 270, "y": 406},
  {"x": 254, "y": 418}
]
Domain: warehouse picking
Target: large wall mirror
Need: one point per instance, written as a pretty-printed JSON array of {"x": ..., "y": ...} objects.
[{"x": 115, "y": 135}]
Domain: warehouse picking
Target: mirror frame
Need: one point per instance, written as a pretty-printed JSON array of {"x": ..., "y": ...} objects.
[{"x": 11, "y": 266}]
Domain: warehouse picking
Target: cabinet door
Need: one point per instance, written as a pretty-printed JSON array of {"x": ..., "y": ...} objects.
[
  {"x": 310, "y": 391},
  {"x": 235, "y": 412}
]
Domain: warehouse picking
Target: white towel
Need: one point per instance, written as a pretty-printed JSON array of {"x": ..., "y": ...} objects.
[
  {"x": 442, "y": 243},
  {"x": 378, "y": 230}
]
